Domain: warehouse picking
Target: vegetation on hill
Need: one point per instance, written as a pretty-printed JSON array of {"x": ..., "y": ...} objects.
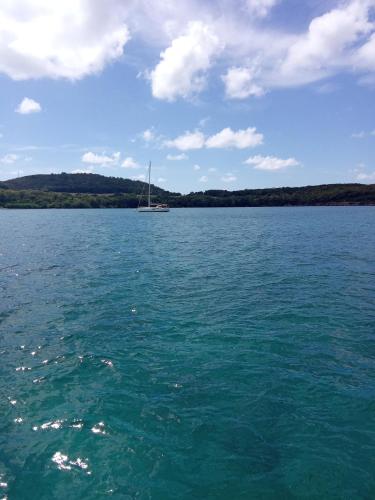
[
  {"x": 96, "y": 191},
  {"x": 78, "y": 183},
  {"x": 327, "y": 194},
  {"x": 49, "y": 199}
]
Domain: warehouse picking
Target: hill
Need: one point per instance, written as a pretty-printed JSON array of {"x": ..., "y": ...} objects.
[
  {"x": 98, "y": 191},
  {"x": 325, "y": 194},
  {"x": 78, "y": 183}
]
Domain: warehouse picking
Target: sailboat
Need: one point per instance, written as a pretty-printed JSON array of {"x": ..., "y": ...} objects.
[{"x": 152, "y": 207}]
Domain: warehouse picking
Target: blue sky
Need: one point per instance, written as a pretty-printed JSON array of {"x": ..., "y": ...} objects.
[{"x": 218, "y": 94}]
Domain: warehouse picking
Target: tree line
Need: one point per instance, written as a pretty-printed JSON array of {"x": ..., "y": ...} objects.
[{"x": 331, "y": 194}]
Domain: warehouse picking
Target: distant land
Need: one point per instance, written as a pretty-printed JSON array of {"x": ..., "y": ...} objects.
[{"x": 99, "y": 191}]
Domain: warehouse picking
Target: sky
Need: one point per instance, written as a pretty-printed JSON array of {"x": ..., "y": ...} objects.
[{"x": 217, "y": 94}]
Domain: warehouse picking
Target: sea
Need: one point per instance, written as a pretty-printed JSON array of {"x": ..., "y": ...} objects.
[{"x": 207, "y": 353}]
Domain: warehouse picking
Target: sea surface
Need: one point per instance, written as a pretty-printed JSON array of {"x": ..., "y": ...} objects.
[{"x": 199, "y": 354}]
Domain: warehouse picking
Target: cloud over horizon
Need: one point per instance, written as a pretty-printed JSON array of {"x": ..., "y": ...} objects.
[
  {"x": 100, "y": 159},
  {"x": 271, "y": 163},
  {"x": 225, "y": 139}
]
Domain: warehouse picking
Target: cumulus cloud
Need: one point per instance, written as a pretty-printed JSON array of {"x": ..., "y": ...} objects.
[
  {"x": 361, "y": 173},
  {"x": 187, "y": 141},
  {"x": 271, "y": 162},
  {"x": 69, "y": 39},
  {"x": 140, "y": 177},
  {"x": 76, "y": 38},
  {"x": 239, "y": 139},
  {"x": 366, "y": 176},
  {"x": 148, "y": 135},
  {"x": 365, "y": 55},
  {"x": 340, "y": 40},
  {"x": 181, "y": 71},
  {"x": 239, "y": 83},
  {"x": 9, "y": 158},
  {"x": 196, "y": 167},
  {"x": 229, "y": 177},
  {"x": 82, "y": 171},
  {"x": 129, "y": 162},
  {"x": 180, "y": 157},
  {"x": 327, "y": 45},
  {"x": 100, "y": 159},
  {"x": 161, "y": 180},
  {"x": 204, "y": 178},
  {"x": 27, "y": 106},
  {"x": 260, "y": 8},
  {"x": 226, "y": 138}
]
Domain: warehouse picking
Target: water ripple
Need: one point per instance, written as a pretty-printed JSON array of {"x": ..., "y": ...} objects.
[{"x": 210, "y": 354}]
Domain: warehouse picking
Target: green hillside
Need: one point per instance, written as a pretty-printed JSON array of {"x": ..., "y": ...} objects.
[
  {"x": 326, "y": 194},
  {"x": 98, "y": 191},
  {"x": 78, "y": 183}
]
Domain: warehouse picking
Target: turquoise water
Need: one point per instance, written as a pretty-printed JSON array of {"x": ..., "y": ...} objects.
[{"x": 200, "y": 354}]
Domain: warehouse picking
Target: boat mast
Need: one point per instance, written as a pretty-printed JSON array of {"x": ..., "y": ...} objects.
[{"x": 149, "y": 184}]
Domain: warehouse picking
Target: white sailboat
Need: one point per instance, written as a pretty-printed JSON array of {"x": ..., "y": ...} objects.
[{"x": 152, "y": 207}]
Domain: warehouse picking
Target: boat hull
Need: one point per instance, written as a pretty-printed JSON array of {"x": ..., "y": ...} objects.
[{"x": 152, "y": 209}]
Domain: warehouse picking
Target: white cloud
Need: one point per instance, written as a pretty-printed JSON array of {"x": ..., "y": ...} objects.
[
  {"x": 196, "y": 167},
  {"x": 365, "y": 55},
  {"x": 129, "y": 162},
  {"x": 9, "y": 158},
  {"x": 82, "y": 171},
  {"x": 180, "y": 157},
  {"x": 372, "y": 133},
  {"x": 1, "y": 136},
  {"x": 181, "y": 71},
  {"x": 140, "y": 177},
  {"x": 226, "y": 138},
  {"x": 186, "y": 141},
  {"x": 148, "y": 135},
  {"x": 204, "y": 178},
  {"x": 367, "y": 177},
  {"x": 212, "y": 169},
  {"x": 362, "y": 175},
  {"x": 260, "y": 8},
  {"x": 229, "y": 177},
  {"x": 239, "y": 83},
  {"x": 240, "y": 139},
  {"x": 359, "y": 135},
  {"x": 271, "y": 162},
  {"x": 161, "y": 180},
  {"x": 75, "y": 38},
  {"x": 100, "y": 159},
  {"x": 339, "y": 41},
  {"x": 328, "y": 44},
  {"x": 68, "y": 39},
  {"x": 27, "y": 106}
]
